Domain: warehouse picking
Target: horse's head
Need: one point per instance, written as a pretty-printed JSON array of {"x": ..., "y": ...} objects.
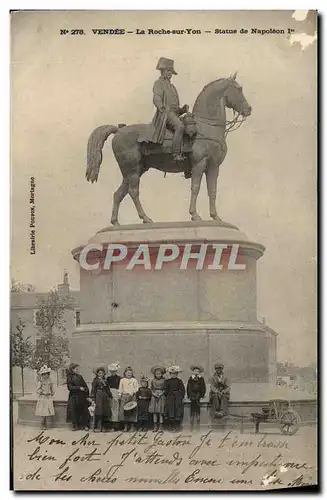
[
  {"x": 190, "y": 125},
  {"x": 234, "y": 97}
]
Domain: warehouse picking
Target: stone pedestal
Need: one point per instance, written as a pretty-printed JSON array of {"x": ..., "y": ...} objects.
[{"x": 140, "y": 317}]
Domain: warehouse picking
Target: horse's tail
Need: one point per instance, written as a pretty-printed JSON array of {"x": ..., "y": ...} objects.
[{"x": 94, "y": 150}]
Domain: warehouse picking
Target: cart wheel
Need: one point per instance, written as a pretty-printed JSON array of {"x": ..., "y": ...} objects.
[{"x": 289, "y": 422}]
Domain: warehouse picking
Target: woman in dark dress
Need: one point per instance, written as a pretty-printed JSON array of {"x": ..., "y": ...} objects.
[
  {"x": 78, "y": 400},
  {"x": 101, "y": 396},
  {"x": 174, "y": 390}
]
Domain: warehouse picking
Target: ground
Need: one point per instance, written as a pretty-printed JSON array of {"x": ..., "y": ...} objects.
[{"x": 61, "y": 459}]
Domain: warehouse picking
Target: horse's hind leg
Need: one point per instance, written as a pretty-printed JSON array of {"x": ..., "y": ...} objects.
[
  {"x": 118, "y": 198},
  {"x": 120, "y": 194},
  {"x": 134, "y": 191}
]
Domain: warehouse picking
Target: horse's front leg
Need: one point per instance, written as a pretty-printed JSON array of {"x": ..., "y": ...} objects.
[
  {"x": 211, "y": 177},
  {"x": 197, "y": 174}
]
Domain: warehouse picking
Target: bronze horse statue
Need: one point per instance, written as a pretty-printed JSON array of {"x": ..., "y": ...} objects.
[{"x": 208, "y": 150}]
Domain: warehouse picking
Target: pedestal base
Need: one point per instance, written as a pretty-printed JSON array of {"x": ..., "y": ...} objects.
[
  {"x": 175, "y": 314},
  {"x": 245, "y": 349}
]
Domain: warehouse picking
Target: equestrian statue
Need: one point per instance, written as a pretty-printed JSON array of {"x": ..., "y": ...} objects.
[{"x": 175, "y": 141}]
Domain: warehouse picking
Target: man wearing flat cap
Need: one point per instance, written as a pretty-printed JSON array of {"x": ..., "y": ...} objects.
[
  {"x": 166, "y": 100},
  {"x": 219, "y": 391}
]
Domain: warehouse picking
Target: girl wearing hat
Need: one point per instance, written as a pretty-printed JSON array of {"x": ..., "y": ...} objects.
[
  {"x": 158, "y": 400},
  {"x": 113, "y": 381},
  {"x": 78, "y": 399},
  {"x": 128, "y": 388},
  {"x": 196, "y": 389},
  {"x": 101, "y": 396},
  {"x": 45, "y": 391},
  {"x": 143, "y": 397},
  {"x": 174, "y": 391}
]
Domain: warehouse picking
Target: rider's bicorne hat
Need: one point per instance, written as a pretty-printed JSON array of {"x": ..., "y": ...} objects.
[{"x": 165, "y": 63}]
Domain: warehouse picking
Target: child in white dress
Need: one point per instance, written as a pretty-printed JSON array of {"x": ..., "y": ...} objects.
[
  {"x": 128, "y": 387},
  {"x": 45, "y": 392}
]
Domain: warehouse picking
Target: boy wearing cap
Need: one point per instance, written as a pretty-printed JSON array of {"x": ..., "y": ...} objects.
[{"x": 196, "y": 389}]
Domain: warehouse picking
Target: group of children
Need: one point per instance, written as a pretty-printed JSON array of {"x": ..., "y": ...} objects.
[
  {"x": 134, "y": 404},
  {"x": 121, "y": 403}
]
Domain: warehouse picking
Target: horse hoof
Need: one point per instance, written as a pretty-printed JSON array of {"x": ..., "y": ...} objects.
[
  {"x": 147, "y": 221},
  {"x": 115, "y": 222},
  {"x": 215, "y": 217},
  {"x": 196, "y": 217}
]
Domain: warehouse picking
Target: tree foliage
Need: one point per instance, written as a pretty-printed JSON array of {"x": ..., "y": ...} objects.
[
  {"x": 52, "y": 351},
  {"x": 22, "y": 349},
  {"x": 18, "y": 287},
  {"x": 50, "y": 314},
  {"x": 308, "y": 373},
  {"x": 52, "y": 348}
]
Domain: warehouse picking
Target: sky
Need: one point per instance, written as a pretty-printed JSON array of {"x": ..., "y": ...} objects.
[{"x": 64, "y": 86}]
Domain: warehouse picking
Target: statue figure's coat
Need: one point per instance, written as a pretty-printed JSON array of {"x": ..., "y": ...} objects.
[{"x": 165, "y": 99}]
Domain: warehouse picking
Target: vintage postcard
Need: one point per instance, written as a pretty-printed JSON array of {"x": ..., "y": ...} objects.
[{"x": 163, "y": 255}]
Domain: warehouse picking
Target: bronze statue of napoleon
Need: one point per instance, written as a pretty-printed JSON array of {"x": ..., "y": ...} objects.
[
  {"x": 168, "y": 111},
  {"x": 175, "y": 141}
]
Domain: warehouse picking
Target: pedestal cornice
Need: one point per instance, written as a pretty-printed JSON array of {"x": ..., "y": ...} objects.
[{"x": 181, "y": 233}]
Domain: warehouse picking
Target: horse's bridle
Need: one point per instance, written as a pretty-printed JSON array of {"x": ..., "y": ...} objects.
[
  {"x": 231, "y": 125},
  {"x": 234, "y": 124}
]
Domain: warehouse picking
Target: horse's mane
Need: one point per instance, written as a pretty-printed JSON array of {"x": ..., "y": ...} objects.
[{"x": 207, "y": 87}]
